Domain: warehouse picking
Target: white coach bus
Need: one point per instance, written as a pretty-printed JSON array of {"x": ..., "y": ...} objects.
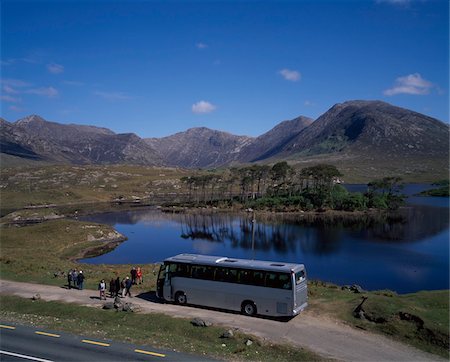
[{"x": 250, "y": 286}]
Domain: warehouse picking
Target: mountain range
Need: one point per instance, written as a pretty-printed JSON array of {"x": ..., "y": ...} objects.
[{"x": 364, "y": 134}]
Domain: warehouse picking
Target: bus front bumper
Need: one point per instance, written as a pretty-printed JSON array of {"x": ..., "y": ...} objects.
[{"x": 300, "y": 309}]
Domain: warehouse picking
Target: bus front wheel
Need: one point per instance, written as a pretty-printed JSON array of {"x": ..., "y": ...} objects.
[
  {"x": 248, "y": 308},
  {"x": 180, "y": 298}
]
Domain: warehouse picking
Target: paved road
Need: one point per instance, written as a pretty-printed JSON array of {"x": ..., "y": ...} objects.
[
  {"x": 329, "y": 338},
  {"x": 20, "y": 343}
]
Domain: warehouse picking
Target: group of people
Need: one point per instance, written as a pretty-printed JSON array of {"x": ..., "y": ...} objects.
[
  {"x": 122, "y": 287},
  {"x": 75, "y": 279}
]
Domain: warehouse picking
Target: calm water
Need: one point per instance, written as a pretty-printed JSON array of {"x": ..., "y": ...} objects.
[{"x": 407, "y": 255}]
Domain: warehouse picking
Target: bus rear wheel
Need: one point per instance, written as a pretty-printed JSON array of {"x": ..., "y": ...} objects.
[
  {"x": 249, "y": 308},
  {"x": 180, "y": 298}
]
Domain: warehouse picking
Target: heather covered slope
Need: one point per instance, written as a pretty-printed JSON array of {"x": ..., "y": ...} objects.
[
  {"x": 270, "y": 143},
  {"x": 371, "y": 127}
]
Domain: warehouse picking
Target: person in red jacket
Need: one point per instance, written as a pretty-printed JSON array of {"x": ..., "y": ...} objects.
[{"x": 139, "y": 275}]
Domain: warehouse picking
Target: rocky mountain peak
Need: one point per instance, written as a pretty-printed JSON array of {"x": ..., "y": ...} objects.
[{"x": 31, "y": 119}]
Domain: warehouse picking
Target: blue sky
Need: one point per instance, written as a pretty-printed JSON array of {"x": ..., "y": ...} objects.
[{"x": 157, "y": 68}]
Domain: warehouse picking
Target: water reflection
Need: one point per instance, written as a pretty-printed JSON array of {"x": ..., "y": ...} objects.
[
  {"x": 411, "y": 225},
  {"x": 411, "y": 249}
]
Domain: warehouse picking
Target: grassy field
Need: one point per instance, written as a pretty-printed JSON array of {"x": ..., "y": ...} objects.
[
  {"x": 146, "y": 329},
  {"x": 36, "y": 253},
  {"x": 83, "y": 186}
]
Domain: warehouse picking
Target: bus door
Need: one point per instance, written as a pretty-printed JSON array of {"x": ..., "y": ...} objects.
[
  {"x": 160, "y": 282},
  {"x": 167, "y": 288}
]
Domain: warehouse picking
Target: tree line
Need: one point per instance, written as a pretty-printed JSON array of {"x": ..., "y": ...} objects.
[{"x": 280, "y": 187}]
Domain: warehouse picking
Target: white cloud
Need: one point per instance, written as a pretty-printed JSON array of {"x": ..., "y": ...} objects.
[
  {"x": 55, "y": 68},
  {"x": 16, "y": 83},
  {"x": 309, "y": 103},
  {"x": 203, "y": 107},
  {"x": 49, "y": 92},
  {"x": 201, "y": 45},
  {"x": 410, "y": 84},
  {"x": 291, "y": 75},
  {"x": 112, "y": 96},
  {"x": 10, "y": 90},
  {"x": 10, "y": 99}
]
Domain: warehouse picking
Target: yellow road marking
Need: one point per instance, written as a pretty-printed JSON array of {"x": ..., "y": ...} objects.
[
  {"x": 96, "y": 343},
  {"x": 7, "y": 327},
  {"x": 48, "y": 334},
  {"x": 151, "y": 353}
]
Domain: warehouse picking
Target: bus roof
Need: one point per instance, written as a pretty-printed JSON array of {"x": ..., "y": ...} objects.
[{"x": 234, "y": 262}]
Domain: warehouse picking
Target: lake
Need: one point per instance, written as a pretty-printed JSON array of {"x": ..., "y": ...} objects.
[{"x": 405, "y": 255}]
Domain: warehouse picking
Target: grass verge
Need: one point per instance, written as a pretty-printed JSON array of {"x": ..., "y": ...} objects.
[
  {"x": 419, "y": 319},
  {"x": 146, "y": 329}
]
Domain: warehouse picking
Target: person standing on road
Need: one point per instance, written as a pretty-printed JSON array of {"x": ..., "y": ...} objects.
[
  {"x": 124, "y": 286},
  {"x": 112, "y": 288},
  {"x": 69, "y": 278},
  {"x": 102, "y": 289},
  {"x": 133, "y": 273},
  {"x": 75, "y": 278},
  {"x": 139, "y": 275},
  {"x": 128, "y": 284},
  {"x": 117, "y": 286},
  {"x": 80, "y": 279}
]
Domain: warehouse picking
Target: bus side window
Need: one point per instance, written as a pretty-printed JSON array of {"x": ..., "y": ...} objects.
[
  {"x": 231, "y": 275},
  {"x": 220, "y": 275},
  {"x": 172, "y": 269},
  {"x": 271, "y": 280},
  {"x": 258, "y": 278},
  {"x": 244, "y": 277},
  {"x": 183, "y": 271},
  {"x": 194, "y": 271},
  {"x": 208, "y": 273},
  {"x": 285, "y": 281}
]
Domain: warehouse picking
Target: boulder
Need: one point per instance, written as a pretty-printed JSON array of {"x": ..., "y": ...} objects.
[
  {"x": 118, "y": 303},
  {"x": 135, "y": 308},
  {"x": 130, "y": 307},
  {"x": 248, "y": 342},
  {"x": 227, "y": 334},
  {"x": 37, "y": 296},
  {"x": 355, "y": 288},
  {"x": 108, "y": 305},
  {"x": 198, "y": 322}
]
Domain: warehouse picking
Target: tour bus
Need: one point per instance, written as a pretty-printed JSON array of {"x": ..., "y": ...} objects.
[{"x": 250, "y": 286}]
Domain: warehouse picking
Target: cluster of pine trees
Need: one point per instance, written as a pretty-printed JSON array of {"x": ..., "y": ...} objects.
[{"x": 282, "y": 187}]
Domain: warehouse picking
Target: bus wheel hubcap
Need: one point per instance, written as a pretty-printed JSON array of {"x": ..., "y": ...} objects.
[{"x": 249, "y": 309}]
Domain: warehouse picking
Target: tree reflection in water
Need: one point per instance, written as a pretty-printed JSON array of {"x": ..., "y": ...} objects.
[{"x": 314, "y": 234}]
